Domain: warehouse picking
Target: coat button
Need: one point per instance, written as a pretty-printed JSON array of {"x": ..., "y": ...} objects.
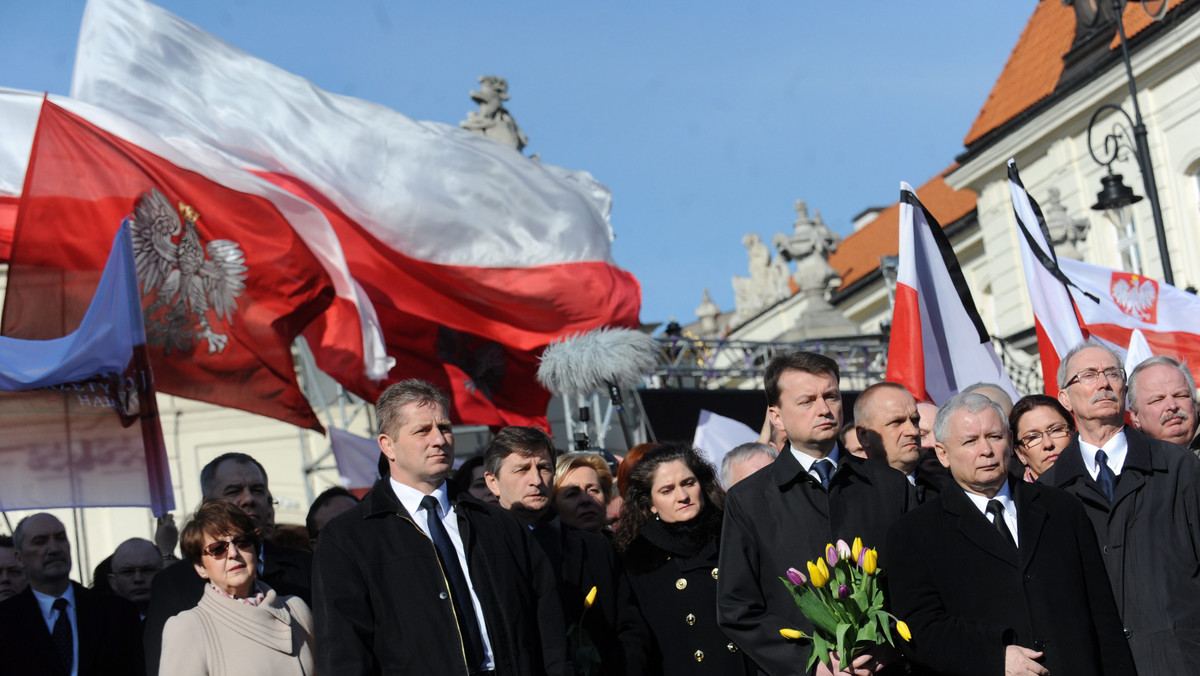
[
  {"x": 1128, "y": 634},
  {"x": 1039, "y": 645},
  {"x": 699, "y": 655},
  {"x": 1104, "y": 549},
  {"x": 1028, "y": 578},
  {"x": 732, "y": 647},
  {"x": 690, "y": 619},
  {"x": 443, "y": 596},
  {"x": 714, "y": 573},
  {"x": 681, "y": 583}
]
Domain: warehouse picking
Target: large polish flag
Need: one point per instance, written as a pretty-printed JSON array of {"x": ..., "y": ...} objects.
[
  {"x": 474, "y": 256},
  {"x": 938, "y": 344},
  {"x": 227, "y": 281},
  {"x": 1054, "y": 319},
  {"x": 70, "y": 405}
]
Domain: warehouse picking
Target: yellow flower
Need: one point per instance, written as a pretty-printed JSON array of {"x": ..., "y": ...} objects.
[
  {"x": 902, "y": 629},
  {"x": 870, "y": 561},
  {"x": 791, "y": 633},
  {"x": 856, "y": 548},
  {"x": 818, "y": 573},
  {"x": 589, "y": 599}
]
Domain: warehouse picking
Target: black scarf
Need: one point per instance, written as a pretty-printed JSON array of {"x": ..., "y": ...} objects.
[{"x": 685, "y": 538}]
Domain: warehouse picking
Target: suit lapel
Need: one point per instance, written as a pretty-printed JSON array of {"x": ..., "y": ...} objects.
[
  {"x": 975, "y": 526},
  {"x": 1069, "y": 472},
  {"x": 1138, "y": 464},
  {"x": 1031, "y": 519}
]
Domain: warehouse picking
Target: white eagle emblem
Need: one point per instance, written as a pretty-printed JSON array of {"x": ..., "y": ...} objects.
[
  {"x": 185, "y": 282},
  {"x": 1137, "y": 297}
]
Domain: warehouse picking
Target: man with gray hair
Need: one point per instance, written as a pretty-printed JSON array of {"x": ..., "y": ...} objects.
[
  {"x": 995, "y": 393},
  {"x": 744, "y": 460},
  {"x": 1142, "y": 496},
  {"x": 1018, "y": 587},
  {"x": 1162, "y": 399}
]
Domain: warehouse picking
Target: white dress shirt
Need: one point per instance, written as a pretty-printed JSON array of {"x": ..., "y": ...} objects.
[
  {"x": 411, "y": 499},
  {"x": 1004, "y": 496},
  {"x": 807, "y": 461},
  {"x": 50, "y": 615},
  {"x": 1116, "y": 449}
]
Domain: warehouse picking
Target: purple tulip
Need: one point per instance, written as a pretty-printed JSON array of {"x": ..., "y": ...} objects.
[
  {"x": 862, "y": 556},
  {"x": 843, "y": 591},
  {"x": 795, "y": 577},
  {"x": 831, "y": 555}
]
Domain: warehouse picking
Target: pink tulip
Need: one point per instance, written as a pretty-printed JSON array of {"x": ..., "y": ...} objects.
[
  {"x": 795, "y": 577},
  {"x": 843, "y": 550}
]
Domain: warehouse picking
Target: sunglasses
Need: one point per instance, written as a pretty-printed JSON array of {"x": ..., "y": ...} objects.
[{"x": 243, "y": 542}]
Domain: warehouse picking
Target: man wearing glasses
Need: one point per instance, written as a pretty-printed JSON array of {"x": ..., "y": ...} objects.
[{"x": 1142, "y": 496}]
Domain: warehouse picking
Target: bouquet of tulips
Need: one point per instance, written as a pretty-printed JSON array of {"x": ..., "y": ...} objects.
[{"x": 842, "y": 598}]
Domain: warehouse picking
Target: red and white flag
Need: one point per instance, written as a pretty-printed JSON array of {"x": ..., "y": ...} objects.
[
  {"x": 1054, "y": 319},
  {"x": 19, "y": 111},
  {"x": 226, "y": 283},
  {"x": 81, "y": 425},
  {"x": 938, "y": 342},
  {"x": 474, "y": 256}
]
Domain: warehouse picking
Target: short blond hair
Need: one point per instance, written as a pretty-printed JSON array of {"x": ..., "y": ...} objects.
[{"x": 572, "y": 461}]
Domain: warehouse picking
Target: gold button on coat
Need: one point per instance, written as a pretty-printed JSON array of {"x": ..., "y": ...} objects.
[
  {"x": 714, "y": 573},
  {"x": 732, "y": 647},
  {"x": 690, "y": 619},
  {"x": 681, "y": 583},
  {"x": 699, "y": 655}
]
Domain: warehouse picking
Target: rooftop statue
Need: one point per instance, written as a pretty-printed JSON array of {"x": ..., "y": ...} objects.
[
  {"x": 493, "y": 120},
  {"x": 767, "y": 283},
  {"x": 810, "y": 246}
]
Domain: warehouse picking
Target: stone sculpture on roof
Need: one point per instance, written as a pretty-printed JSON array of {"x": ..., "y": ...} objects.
[
  {"x": 1065, "y": 233},
  {"x": 767, "y": 283},
  {"x": 493, "y": 120},
  {"x": 810, "y": 245}
]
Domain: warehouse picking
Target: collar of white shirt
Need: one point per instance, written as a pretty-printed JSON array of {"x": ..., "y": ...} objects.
[
  {"x": 807, "y": 461},
  {"x": 46, "y": 602},
  {"x": 411, "y": 499},
  {"x": 1116, "y": 449}
]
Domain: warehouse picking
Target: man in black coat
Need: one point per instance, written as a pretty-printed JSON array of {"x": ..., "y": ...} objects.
[
  {"x": 421, "y": 578},
  {"x": 889, "y": 429},
  {"x": 100, "y": 633},
  {"x": 785, "y": 514},
  {"x": 519, "y": 470},
  {"x": 997, "y": 576},
  {"x": 1143, "y": 500},
  {"x": 242, "y": 480}
]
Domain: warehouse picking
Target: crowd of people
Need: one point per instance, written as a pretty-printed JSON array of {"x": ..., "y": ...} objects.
[{"x": 1045, "y": 536}]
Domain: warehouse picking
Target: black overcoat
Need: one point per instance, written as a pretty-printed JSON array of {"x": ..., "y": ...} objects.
[
  {"x": 967, "y": 593},
  {"x": 1150, "y": 543},
  {"x": 780, "y": 518},
  {"x": 382, "y": 604},
  {"x": 110, "y": 641},
  {"x": 614, "y": 622}
]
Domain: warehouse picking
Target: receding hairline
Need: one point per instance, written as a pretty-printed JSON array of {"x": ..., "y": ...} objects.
[{"x": 862, "y": 403}]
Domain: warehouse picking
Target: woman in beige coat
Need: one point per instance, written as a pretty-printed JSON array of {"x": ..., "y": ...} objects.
[{"x": 240, "y": 625}]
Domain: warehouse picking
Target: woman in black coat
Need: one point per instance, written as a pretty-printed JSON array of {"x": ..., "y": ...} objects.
[{"x": 668, "y": 536}]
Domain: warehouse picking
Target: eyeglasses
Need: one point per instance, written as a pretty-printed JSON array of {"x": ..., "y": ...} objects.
[
  {"x": 1114, "y": 374},
  {"x": 1034, "y": 439},
  {"x": 130, "y": 573},
  {"x": 243, "y": 542}
]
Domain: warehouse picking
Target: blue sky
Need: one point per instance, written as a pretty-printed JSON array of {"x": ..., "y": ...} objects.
[{"x": 706, "y": 119}]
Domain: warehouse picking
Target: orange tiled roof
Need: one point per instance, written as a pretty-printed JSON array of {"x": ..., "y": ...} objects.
[
  {"x": 1036, "y": 64},
  {"x": 859, "y": 253}
]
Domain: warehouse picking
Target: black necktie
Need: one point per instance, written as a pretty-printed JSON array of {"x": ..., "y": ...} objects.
[
  {"x": 64, "y": 640},
  {"x": 997, "y": 511},
  {"x": 1105, "y": 478},
  {"x": 467, "y": 622},
  {"x": 824, "y": 469}
]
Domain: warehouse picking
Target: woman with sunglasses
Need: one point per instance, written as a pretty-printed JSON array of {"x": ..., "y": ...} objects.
[
  {"x": 240, "y": 625},
  {"x": 1041, "y": 428}
]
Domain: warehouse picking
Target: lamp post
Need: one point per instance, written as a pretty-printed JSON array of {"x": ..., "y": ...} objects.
[{"x": 1114, "y": 193}]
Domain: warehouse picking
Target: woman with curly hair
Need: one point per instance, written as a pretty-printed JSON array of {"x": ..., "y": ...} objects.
[
  {"x": 669, "y": 536},
  {"x": 240, "y": 625}
]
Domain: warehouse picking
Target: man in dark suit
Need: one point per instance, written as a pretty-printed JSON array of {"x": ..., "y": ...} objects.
[
  {"x": 56, "y": 626},
  {"x": 242, "y": 480},
  {"x": 785, "y": 514},
  {"x": 1142, "y": 496},
  {"x": 422, "y": 578},
  {"x": 519, "y": 469},
  {"x": 889, "y": 429},
  {"x": 997, "y": 576}
]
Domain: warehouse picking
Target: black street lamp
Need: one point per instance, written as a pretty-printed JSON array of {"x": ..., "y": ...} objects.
[{"x": 1115, "y": 195}]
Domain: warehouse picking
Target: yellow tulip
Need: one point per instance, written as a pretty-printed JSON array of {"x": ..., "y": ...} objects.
[
  {"x": 902, "y": 629},
  {"x": 870, "y": 561},
  {"x": 856, "y": 548},
  {"x": 818, "y": 573},
  {"x": 589, "y": 599},
  {"x": 791, "y": 633}
]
